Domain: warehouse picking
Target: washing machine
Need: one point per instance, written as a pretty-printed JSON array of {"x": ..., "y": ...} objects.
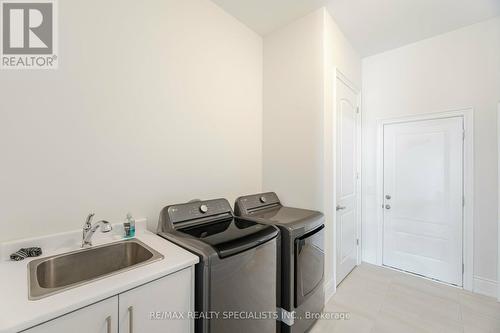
[{"x": 235, "y": 280}]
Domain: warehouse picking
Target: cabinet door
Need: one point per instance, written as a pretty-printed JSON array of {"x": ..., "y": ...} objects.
[
  {"x": 163, "y": 305},
  {"x": 100, "y": 317}
]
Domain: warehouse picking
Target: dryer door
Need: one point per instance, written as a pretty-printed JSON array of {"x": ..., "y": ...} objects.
[{"x": 309, "y": 264}]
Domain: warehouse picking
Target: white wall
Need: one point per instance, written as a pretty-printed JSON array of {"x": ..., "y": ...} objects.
[
  {"x": 152, "y": 104},
  {"x": 293, "y": 112},
  {"x": 299, "y": 62},
  {"x": 456, "y": 70}
]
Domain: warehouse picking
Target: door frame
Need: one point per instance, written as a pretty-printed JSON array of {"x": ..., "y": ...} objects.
[
  {"x": 498, "y": 217},
  {"x": 468, "y": 184},
  {"x": 339, "y": 75}
]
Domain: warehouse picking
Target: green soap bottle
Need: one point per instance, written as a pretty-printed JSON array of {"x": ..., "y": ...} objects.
[{"x": 131, "y": 222}]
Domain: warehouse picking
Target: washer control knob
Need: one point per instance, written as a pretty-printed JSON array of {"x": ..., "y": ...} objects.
[
  {"x": 203, "y": 209},
  {"x": 263, "y": 199}
]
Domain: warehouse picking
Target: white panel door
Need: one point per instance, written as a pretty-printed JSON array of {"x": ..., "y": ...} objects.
[
  {"x": 346, "y": 184},
  {"x": 171, "y": 296},
  {"x": 423, "y": 193},
  {"x": 101, "y": 317}
]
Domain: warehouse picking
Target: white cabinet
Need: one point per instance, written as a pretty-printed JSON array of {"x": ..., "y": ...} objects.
[
  {"x": 100, "y": 317},
  {"x": 158, "y": 307},
  {"x": 151, "y": 308}
]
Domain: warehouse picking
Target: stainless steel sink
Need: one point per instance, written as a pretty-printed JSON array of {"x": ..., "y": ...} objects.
[{"x": 51, "y": 275}]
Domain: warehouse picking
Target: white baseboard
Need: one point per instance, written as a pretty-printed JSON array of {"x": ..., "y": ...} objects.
[
  {"x": 329, "y": 290},
  {"x": 485, "y": 286}
]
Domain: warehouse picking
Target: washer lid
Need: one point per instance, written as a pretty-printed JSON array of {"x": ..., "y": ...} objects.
[
  {"x": 231, "y": 236},
  {"x": 286, "y": 215},
  {"x": 266, "y": 208}
]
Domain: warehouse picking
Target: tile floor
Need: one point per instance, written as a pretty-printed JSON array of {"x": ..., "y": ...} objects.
[{"x": 381, "y": 300}]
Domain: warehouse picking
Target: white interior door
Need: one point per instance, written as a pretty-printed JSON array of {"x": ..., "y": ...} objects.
[
  {"x": 346, "y": 184},
  {"x": 423, "y": 198}
]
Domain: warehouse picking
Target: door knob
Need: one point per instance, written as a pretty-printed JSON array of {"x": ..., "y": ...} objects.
[
  {"x": 387, "y": 206},
  {"x": 388, "y": 197},
  {"x": 339, "y": 207}
]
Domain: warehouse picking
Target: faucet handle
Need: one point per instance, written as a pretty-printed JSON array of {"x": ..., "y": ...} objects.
[{"x": 89, "y": 219}]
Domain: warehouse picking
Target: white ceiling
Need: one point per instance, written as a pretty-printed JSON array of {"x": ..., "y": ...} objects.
[
  {"x": 372, "y": 26},
  {"x": 265, "y": 16},
  {"x": 375, "y": 26}
]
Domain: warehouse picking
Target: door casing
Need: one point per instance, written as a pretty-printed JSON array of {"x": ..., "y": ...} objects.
[
  {"x": 498, "y": 239},
  {"x": 340, "y": 76},
  {"x": 468, "y": 183}
]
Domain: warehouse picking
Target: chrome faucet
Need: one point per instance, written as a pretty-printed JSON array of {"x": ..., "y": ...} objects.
[{"x": 89, "y": 229}]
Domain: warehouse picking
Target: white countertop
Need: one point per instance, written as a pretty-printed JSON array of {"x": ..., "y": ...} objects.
[{"x": 17, "y": 312}]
